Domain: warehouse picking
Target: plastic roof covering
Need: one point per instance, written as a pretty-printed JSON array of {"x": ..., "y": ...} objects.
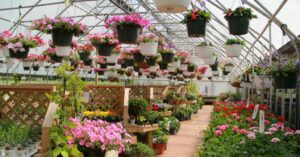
[{"x": 94, "y": 12}]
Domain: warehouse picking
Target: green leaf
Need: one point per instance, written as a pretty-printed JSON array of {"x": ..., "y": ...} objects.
[{"x": 64, "y": 153}]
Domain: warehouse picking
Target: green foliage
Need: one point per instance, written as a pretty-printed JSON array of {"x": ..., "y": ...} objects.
[
  {"x": 169, "y": 125},
  {"x": 192, "y": 88},
  {"x": 240, "y": 11},
  {"x": 145, "y": 150},
  {"x": 152, "y": 117},
  {"x": 283, "y": 68},
  {"x": 197, "y": 14},
  {"x": 137, "y": 107},
  {"x": 160, "y": 137},
  {"x": 235, "y": 41},
  {"x": 202, "y": 44}
]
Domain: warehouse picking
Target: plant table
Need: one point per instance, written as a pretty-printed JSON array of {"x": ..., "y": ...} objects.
[{"x": 148, "y": 129}]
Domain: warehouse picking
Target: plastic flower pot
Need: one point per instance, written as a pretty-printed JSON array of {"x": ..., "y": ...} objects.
[
  {"x": 61, "y": 37},
  {"x": 112, "y": 59},
  {"x": 138, "y": 57},
  {"x": 262, "y": 82},
  {"x": 210, "y": 61},
  {"x": 163, "y": 65},
  {"x": 286, "y": 82},
  {"x": 196, "y": 28},
  {"x": 101, "y": 72},
  {"x": 111, "y": 153},
  {"x": 41, "y": 63},
  {"x": 103, "y": 66},
  {"x": 62, "y": 51},
  {"x": 151, "y": 61},
  {"x": 172, "y": 6},
  {"x": 136, "y": 68},
  {"x": 93, "y": 153},
  {"x": 105, "y": 49},
  {"x": 183, "y": 67},
  {"x": 26, "y": 63},
  {"x": 84, "y": 56},
  {"x": 4, "y": 52},
  {"x": 234, "y": 50},
  {"x": 35, "y": 67},
  {"x": 123, "y": 65},
  {"x": 205, "y": 51},
  {"x": 128, "y": 33},
  {"x": 26, "y": 68},
  {"x": 238, "y": 25},
  {"x": 167, "y": 57},
  {"x": 159, "y": 148},
  {"x": 19, "y": 54},
  {"x": 56, "y": 58},
  {"x": 176, "y": 63},
  {"x": 148, "y": 49},
  {"x": 10, "y": 62},
  {"x": 228, "y": 68},
  {"x": 129, "y": 62},
  {"x": 88, "y": 62},
  {"x": 215, "y": 73},
  {"x": 191, "y": 68}
]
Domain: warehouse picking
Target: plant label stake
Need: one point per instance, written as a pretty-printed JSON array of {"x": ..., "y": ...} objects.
[
  {"x": 86, "y": 97},
  {"x": 261, "y": 121},
  {"x": 255, "y": 111},
  {"x": 248, "y": 102}
]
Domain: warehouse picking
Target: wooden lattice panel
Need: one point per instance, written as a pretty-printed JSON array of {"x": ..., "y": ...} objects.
[
  {"x": 158, "y": 91},
  {"x": 138, "y": 92},
  {"x": 106, "y": 98},
  {"x": 25, "y": 104}
]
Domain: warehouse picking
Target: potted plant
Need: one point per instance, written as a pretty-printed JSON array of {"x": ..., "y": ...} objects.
[
  {"x": 102, "y": 61},
  {"x": 127, "y": 27},
  {"x": 152, "y": 117},
  {"x": 137, "y": 56},
  {"x": 205, "y": 50},
  {"x": 285, "y": 72},
  {"x": 236, "y": 82},
  {"x": 162, "y": 65},
  {"x": 104, "y": 43},
  {"x": 151, "y": 60},
  {"x": 159, "y": 142},
  {"x": 174, "y": 6},
  {"x": 61, "y": 28},
  {"x": 85, "y": 51},
  {"x": 20, "y": 44},
  {"x": 41, "y": 60},
  {"x": 191, "y": 67},
  {"x": 234, "y": 47},
  {"x": 228, "y": 67},
  {"x": 214, "y": 67},
  {"x": 50, "y": 52},
  {"x": 239, "y": 20},
  {"x": 195, "y": 21},
  {"x": 74, "y": 59},
  {"x": 137, "y": 107},
  {"x": 148, "y": 44},
  {"x": 99, "y": 71},
  {"x": 4, "y": 41},
  {"x": 128, "y": 57},
  {"x": 112, "y": 59},
  {"x": 167, "y": 54},
  {"x": 138, "y": 150}
]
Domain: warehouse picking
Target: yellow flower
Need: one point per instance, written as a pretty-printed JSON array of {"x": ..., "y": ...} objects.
[
  {"x": 101, "y": 113},
  {"x": 88, "y": 113}
]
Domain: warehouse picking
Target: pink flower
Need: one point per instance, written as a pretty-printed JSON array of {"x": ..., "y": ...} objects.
[
  {"x": 297, "y": 132},
  {"x": 251, "y": 135},
  {"x": 222, "y": 127},
  {"x": 235, "y": 128},
  {"x": 243, "y": 131},
  {"x": 248, "y": 119},
  {"x": 272, "y": 129},
  {"x": 268, "y": 133},
  {"x": 267, "y": 121},
  {"x": 218, "y": 132},
  {"x": 288, "y": 134},
  {"x": 275, "y": 140},
  {"x": 237, "y": 117}
]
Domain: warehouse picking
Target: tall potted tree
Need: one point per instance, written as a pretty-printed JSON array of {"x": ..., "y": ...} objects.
[
  {"x": 234, "y": 47},
  {"x": 127, "y": 27},
  {"x": 239, "y": 20},
  {"x": 148, "y": 44},
  {"x": 196, "y": 21},
  {"x": 104, "y": 43}
]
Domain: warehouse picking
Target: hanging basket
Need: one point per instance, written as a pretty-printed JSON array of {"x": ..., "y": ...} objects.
[
  {"x": 35, "y": 67},
  {"x": 163, "y": 65},
  {"x": 191, "y": 68},
  {"x": 128, "y": 33},
  {"x": 26, "y": 68},
  {"x": 262, "y": 82},
  {"x": 228, "y": 68},
  {"x": 138, "y": 57},
  {"x": 183, "y": 67},
  {"x": 105, "y": 49},
  {"x": 286, "y": 82},
  {"x": 112, "y": 59},
  {"x": 151, "y": 61},
  {"x": 176, "y": 63},
  {"x": 129, "y": 62},
  {"x": 10, "y": 62},
  {"x": 148, "y": 49},
  {"x": 19, "y": 54},
  {"x": 233, "y": 50},
  {"x": 112, "y": 153},
  {"x": 84, "y": 56},
  {"x": 210, "y": 61},
  {"x": 238, "y": 25},
  {"x": 41, "y": 63},
  {"x": 4, "y": 52},
  {"x": 56, "y": 58},
  {"x": 205, "y": 51},
  {"x": 172, "y": 6},
  {"x": 26, "y": 63},
  {"x": 167, "y": 57},
  {"x": 61, "y": 37},
  {"x": 215, "y": 73},
  {"x": 62, "y": 51},
  {"x": 196, "y": 28},
  {"x": 88, "y": 62}
]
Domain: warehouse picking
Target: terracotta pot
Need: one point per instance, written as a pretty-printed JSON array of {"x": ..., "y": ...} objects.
[{"x": 159, "y": 148}]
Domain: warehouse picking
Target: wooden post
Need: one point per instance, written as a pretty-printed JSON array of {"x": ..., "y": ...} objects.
[{"x": 125, "y": 103}]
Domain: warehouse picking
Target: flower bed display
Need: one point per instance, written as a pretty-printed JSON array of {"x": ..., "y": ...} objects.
[{"x": 233, "y": 127}]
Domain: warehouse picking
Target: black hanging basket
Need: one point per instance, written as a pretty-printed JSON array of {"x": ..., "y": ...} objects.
[
  {"x": 105, "y": 49},
  {"x": 100, "y": 72},
  {"x": 128, "y": 33},
  {"x": 84, "y": 56},
  {"x": 88, "y": 62},
  {"x": 151, "y": 61},
  {"x": 238, "y": 25},
  {"x": 123, "y": 65},
  {"x": 19, "y": 54},
  {"x": 191, "y": 68},
  {"x": 35, "y": 67},
  {"x": 103, "y": 65},
  {"x": 129, "y": 62},
  {"x": 286, "y": 82},
  {"x": 136, "y": 69},
  {"x": 26, "y": 68},
  {"x": 56, "y": 58},
  {"x": 196, "y": 28},
  {"x": 138, "y": 57},
  {"x": 61, "y": 37},
  {"x": 163, "y": 65},
  {"x": 167, "y": 57}
]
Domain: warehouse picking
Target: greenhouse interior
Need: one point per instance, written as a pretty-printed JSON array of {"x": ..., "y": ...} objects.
[{"x": 149, "y": 78}]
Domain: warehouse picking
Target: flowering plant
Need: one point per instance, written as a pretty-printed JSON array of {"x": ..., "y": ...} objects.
[
  {"x": 49, "y": 52},
  {"x": 240, "y": 11},
  {"x": 98, "y": 134},
  {"x": 47, "y": 25},
  {"x": 31, "y": 58},
  {"x": 147, "y": 38},
  {"x": 100, "y": 59},
  {"x": 20, "y": 41},
  {"x": 202, "y": 70},
  {"x": 87, "y": 48},
  {"x": 116, "y": 50},
  {"x": 166, "y": 50},
  {"x": 128, "y": 53},
  {"x": 98, "y": 38},
  {"x": 4, "y": 38},
  {"x": 196, "y": 14},
  {"x": 135, "y": 19},
  {"x": 183, "y": 55}
]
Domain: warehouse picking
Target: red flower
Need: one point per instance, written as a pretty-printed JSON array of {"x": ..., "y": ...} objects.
[
  {"x": 224, "y": 115},
  {"x": 280, "y": 118}
]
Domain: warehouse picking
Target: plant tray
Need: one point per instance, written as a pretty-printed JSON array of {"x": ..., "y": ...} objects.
[{"x": 135, "y": 128}]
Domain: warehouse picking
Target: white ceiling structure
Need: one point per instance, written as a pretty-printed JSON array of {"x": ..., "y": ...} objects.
[{"x": 265, "y": 33}]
